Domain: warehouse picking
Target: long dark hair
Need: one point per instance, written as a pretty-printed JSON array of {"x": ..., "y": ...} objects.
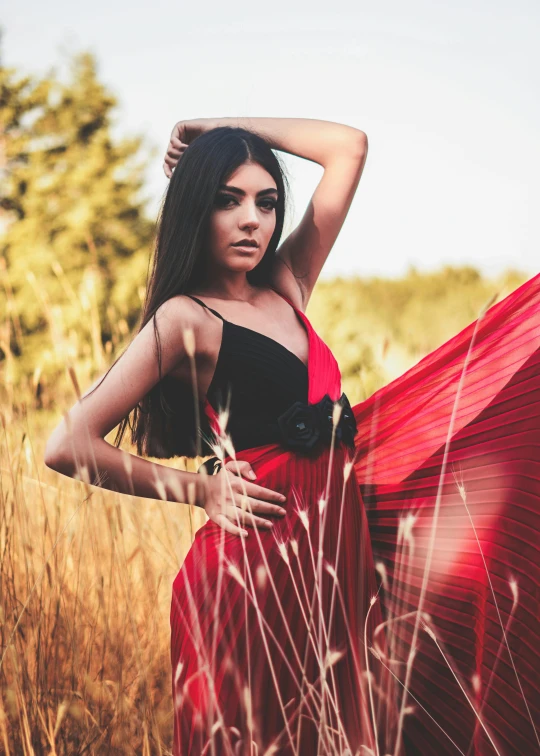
[{"x": 164, "y": 423}]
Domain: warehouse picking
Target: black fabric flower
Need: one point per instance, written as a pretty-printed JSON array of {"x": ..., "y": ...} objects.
[
  {"x": 299, "y": 427},
  {"x": 346, "y": 427},
  {"x": 347, "y": 422},
  {"x": 303, "y": 426},
  {"x": 324, "y": 409}
]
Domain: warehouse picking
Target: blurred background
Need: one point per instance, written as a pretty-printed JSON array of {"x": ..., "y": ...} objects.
[{"x": 442, "y": 221}]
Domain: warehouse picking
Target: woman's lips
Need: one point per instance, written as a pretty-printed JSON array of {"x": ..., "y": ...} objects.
[{"x": 246, "y": 248}]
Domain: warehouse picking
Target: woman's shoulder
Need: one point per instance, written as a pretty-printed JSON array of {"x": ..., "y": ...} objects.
[
  {"x": 183, "y": 321},
  {"x": 180, "y": 310}
]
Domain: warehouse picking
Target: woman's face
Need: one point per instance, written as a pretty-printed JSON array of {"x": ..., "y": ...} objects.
[{"x": 244, "y": 208}]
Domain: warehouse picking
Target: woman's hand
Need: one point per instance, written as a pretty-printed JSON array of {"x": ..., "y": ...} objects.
[
  {"x": 183, "y": 133},
  {"x": 226, "y": 504},
  {"x": 177, "y": 144}
]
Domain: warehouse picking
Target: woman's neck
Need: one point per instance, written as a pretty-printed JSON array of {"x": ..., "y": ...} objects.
[{"x": 237, "y": 291}]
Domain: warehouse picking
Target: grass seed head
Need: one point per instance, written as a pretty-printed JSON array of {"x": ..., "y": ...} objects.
[
  {"x": 189, "y": 341},
  {"x": 304, "y": 519},
  {"x": 514, "y": 588},
  {"x": 261, "y": 577},
  {"x": 233, "y": 570},
  {"x": 282, "y": 548}
]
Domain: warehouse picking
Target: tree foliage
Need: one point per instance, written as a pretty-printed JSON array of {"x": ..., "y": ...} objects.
[{"x": 75, "y": 239}]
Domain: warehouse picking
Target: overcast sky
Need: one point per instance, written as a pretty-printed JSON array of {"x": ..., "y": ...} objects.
[{"x": 446, "y": 93}]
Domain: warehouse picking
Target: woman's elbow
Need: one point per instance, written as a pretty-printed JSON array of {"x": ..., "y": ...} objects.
[
  {"x": 52, "y": 457},
  {"x": 57, "y": 456}
]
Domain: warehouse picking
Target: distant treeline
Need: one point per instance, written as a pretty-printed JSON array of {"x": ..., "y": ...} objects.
[{"x": 379, "y": 327}]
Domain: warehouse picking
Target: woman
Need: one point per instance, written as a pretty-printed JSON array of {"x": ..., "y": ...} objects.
[{"x": 287, "y": 635}]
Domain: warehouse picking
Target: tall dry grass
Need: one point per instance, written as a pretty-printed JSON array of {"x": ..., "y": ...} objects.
[
  {"x": 85, "y": 573},
  {"x": 85, "y": 587}
]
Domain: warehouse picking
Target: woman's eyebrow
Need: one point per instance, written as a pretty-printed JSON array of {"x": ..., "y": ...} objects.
[{"x": 242, "y": 193}]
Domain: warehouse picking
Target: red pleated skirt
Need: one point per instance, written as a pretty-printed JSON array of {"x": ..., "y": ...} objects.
[
  {"x": 396, "y": 608},
  {"x": 255, "y": 655}
]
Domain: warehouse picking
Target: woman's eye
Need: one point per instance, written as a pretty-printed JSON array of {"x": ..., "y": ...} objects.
[{"x": 223, "y": 200}]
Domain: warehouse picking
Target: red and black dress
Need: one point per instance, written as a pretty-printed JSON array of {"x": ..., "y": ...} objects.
[{"x": 414, "y": 523}]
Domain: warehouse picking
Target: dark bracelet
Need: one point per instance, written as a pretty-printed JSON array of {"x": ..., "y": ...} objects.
[{"x": 212, "y": 466}]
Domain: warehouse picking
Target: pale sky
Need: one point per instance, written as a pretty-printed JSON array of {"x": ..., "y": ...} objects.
[{"x": 446, "y": 93}]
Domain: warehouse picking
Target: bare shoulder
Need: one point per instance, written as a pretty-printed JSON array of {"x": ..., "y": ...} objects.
[
  {"x": 170, "y": 326},
  {"x": 176, "y": 311},
  {"x": 180, "y": 313},
  {"x": 180, "y": 319},
  {"x": 285, "y": 282}
]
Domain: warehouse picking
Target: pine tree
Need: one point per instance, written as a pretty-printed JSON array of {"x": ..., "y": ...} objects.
[{"x": 75, "y": 240}]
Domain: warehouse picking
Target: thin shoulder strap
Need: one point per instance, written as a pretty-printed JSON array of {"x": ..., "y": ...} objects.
[
  {"x": 286, "y": 299},
  {"x": 205, "y": 305}
]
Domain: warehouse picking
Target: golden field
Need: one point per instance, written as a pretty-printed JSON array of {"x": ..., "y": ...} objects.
[{"x": 86, "y": 573}]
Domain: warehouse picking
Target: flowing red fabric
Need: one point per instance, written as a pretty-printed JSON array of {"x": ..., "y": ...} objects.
[{"x": 395, "y": 609}]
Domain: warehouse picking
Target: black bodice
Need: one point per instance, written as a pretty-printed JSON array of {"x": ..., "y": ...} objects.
[
  {"x": 265, "y": 386},
  {"x": 257, "y": 379}
]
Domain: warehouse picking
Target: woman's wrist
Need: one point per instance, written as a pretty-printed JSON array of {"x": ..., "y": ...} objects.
[
  {"x": 197, "y": 126},
  {"x": 189, "y": 488}
]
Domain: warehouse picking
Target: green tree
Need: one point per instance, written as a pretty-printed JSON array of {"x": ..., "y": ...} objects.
[{"x": 75, "y": 240}]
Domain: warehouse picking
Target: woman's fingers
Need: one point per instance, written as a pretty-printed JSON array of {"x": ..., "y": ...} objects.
[
  {"x": 175, "y": 150},
  {"x": 173, "y": 154},
  {"x": 262, "y": 506},
  {"x": 171, "y": 163},
  {"x": 245, "y": 495},
  {"x": 234, "y": 519},
  {"x": 241, "y": 467},
  {"x": 266, "y": 494},
  {"x": 253, "y": 507},
  {"x": 243, "y": 516},
  {"x": 230, "y": 527}
]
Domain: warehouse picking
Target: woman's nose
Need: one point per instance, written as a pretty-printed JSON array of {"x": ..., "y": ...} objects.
[{"x": 249, "y": 216}]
